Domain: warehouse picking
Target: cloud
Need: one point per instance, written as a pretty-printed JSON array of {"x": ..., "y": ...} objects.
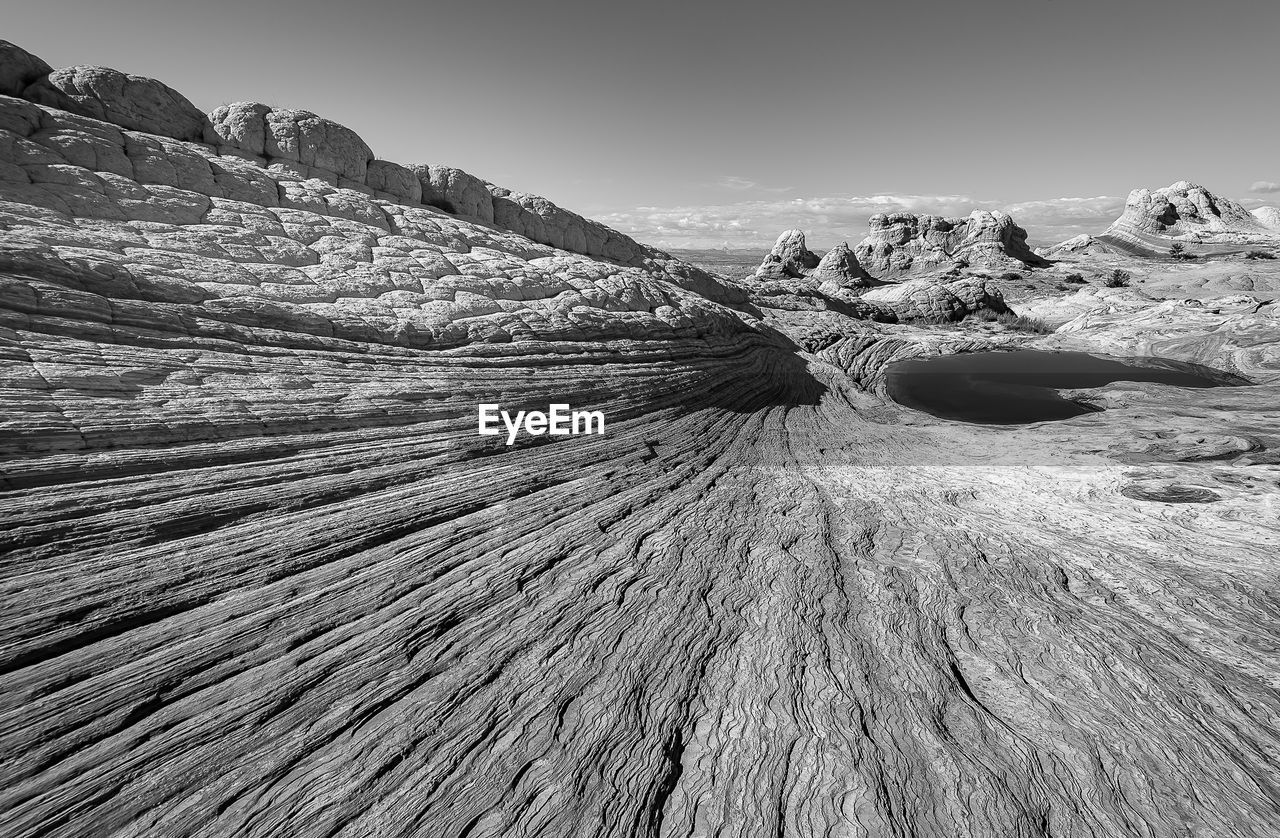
[
  {"x": 1264, "y": 187},
  {"x": 741, "y": 184},
  {"x": 754, "y": 224}
]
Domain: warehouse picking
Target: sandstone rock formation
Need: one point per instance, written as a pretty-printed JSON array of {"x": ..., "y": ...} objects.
[
  {"x": 133, "y": 102},
  {"x": 295, "y": 141},
  {"x": 925, "y": 299},
  {"x": 455, "y": 191},
  {"x": 1082, "y": 245},
  {"x": 19, "y": 68},
  {"x": 1188, "y": 214},
  {"x": 259, "y": 575},
  {"x": 838, "y": 271},
  {"x": 902, "y": 242},
  {"x": 1268, "y": 217},
  {"x": 789, "y": 258}
]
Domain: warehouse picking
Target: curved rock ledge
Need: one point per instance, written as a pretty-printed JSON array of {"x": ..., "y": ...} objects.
[{"x": 259, "y": 575}]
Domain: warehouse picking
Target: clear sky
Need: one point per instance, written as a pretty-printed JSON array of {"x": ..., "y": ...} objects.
[{"x": 700, "y": 123}]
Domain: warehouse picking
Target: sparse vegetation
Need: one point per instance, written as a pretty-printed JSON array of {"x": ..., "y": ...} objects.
[
  {"x": 1177, "y": 251},
  {"x": 1118, "y": 279},
  {"x": 1077, "y": 279},
  {"x": 1259, "y": 254},
  {"x": 1015, "y": 322},
  {"x": 1012, "y": 276}
]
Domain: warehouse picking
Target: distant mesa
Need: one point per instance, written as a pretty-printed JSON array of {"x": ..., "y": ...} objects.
[
  {"x": 902, "y": 242},
  {"x": 1188, "y": 214}
]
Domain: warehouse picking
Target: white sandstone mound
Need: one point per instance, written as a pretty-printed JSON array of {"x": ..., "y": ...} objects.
[
  {"x": 1188, "y": 214},
  {"x": 1269, "y": 217},
  {"x": 902, "y": 242},
  {"x": 789, "y": 258}
]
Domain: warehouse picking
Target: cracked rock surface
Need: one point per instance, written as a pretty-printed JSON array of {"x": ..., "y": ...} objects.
[{"x": 260, "y": 576}]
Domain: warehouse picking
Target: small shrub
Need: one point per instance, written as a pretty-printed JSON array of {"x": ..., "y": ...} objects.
[
  {"x": 1012, "y": 276},
  {"x": 1259, "y": 254},
  {"x": 1077, "y": 279},
  {"x": 1180, "y": 252},
  {"x": 1118, "y": 279},
  {"x": 1011, "y": 321},
  {"x": 1022, "y": 323}
]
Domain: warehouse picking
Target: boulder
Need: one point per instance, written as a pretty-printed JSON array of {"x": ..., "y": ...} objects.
[
  {"x": 789, "y": 258},
  {"x": 133, "y": 102},
  {"x": 395, "y": 182},
  {"x": 289, "y": 136},
  {"x": 455, "y": 191},
  {"x": 19, "y": 68}
]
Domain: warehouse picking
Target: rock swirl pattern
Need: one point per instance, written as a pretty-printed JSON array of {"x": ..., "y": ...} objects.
[{"x": 261, "y": 576}]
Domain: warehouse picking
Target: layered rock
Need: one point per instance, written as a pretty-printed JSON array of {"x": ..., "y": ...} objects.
[
  {"x": 902, "y": 242},
  {"x": 1185, "y": 213},
  {"x": 261, "y": 576}
]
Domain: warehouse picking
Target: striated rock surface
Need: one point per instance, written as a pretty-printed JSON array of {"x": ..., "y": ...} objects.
[
  {"x": 902, "y": 242},
  {"x": 260, "y": 576},
  {"x": 133, "y": 102},
  {"x": 1188, "y": 214}
]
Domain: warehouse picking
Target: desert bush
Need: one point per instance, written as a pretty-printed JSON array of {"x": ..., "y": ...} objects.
[
  {"x": 1178, "y": 251},
  {"x": 1259, "y": 254},
  {"x": 1118, "y": 279},
  {"x": 1076, "y": 279},
  {"x": 1014, "y": 322},
  {"x": 1012, "y": 276}
]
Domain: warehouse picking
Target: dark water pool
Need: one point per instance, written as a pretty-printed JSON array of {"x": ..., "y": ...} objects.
[{"x": 1008, "y": 388}]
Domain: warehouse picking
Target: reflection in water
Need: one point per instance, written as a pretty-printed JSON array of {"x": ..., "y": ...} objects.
[{"x": 1005, "y": 388}]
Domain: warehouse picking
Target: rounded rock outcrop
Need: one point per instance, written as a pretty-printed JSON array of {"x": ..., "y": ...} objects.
[
  {"x": 290, "y": 136},
  {"x": 1188, "y": 212},
  {"x": 789, "y": 258},
  {"x": 134, "y": 102},
  {"x": 455, "y": 191},
  {"x": 839, "y": 271},
  {"x": 19, "y": 68},
  {"x": 901, "y": 242}
]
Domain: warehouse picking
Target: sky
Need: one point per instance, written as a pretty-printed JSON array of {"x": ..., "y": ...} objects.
[{"x": 708, "y": 124}]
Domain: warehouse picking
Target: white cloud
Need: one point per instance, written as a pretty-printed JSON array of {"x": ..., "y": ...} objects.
[
  {"x": 829, "y": 220},
  {"x": 741, "y": 184},
  {"x": 1264, "y": 187}
]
